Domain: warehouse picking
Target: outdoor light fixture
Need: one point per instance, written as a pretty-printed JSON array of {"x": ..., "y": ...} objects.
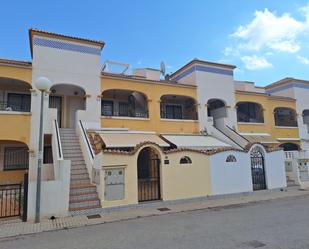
[{"x": 43, "y": 84}]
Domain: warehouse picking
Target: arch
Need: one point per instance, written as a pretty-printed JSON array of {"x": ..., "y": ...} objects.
[
  {"x": 289, "y": 146},
  {"x": 257, "y": 156},
  {"x": 178, "y": 107},
  {"x": 250, "y": 112},
  {"x": 185, "y": 160},
  {"x": 148, "y": 174},
  {"x": 15, "y": 95},
  {"x": 231, "y": 159},
  {"x": 216, "y": 108},
  {"x": 14, "y": 155},
  {"x": 285, "y": 116},
  {"x": 124, "y": 103},
  {"x": 67, "y": 99}
]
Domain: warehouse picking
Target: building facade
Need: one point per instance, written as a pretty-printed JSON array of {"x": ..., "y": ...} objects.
[{"x": 113, "y": 139}]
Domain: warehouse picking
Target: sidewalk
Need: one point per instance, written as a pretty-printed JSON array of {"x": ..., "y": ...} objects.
[{"x": 15, "y": 228}]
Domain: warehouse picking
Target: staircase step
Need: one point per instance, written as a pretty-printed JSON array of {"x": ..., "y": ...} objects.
[
  {"x": 79, "y": 171},
  {"x": 84, "y": 208},
  {"x": 84, "y": 204},
  {"x": 82, "y": 189},
  {"x": 79, "y": 182},
  {"x": 83, "y": 196},
  {"x": 80, "y": 177}
]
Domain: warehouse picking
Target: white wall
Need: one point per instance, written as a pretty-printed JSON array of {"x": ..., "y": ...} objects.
[
  {"x": 230, "y": 177},
  {"x": 275, "y": 170}
]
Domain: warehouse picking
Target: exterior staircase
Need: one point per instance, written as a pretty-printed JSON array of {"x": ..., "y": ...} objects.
[{"x": 83, "y": 195}]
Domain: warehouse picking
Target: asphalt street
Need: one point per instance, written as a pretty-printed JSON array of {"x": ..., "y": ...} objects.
[{"x": 282, "y": 223}]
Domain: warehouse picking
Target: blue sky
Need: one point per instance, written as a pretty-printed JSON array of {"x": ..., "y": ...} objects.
[{"x": 266, "y": 40}]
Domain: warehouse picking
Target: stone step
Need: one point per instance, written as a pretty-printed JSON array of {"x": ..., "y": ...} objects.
[
  {"x": 78, "y": 167},
  {"x": 71, "y": 148},
  {"x": 78, "y": 210},
  {"x": 84, "y": 204},
  {"x": 85, "y": 199},
  {"x": 82, "y": 189},
  {"x": 79, "y": 171},
  {"x": 79, "y": 177},
  {"x": 77, "y": 163},
  {"x": 79, "y": 182},
  {"x": 83, "y": 196}
]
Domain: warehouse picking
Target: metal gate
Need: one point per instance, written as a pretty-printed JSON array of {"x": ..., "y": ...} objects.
[
  {"x": 149, "y": 180},
  {"x": 13, "y": 200},
  {"x": 257, "y": 169},
  {"x": 10, "y": 200}
]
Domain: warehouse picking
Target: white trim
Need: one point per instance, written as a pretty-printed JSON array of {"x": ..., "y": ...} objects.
[
  {"x": 286, "y": 127},
  {"x": 254, "y": 134},
  {"x": 179, "y": 120},
  {"x": 250, "y": 123},
  {"x": 126, "y": 118},
  {"x": 15, "y": 113},
  {"x": 288, "y": 138}
]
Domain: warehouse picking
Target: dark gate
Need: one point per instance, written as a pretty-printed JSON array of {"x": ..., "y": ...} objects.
[
  {"x": 10, "y": 200},
  {"x": 13, "y": 200},
  {"x": 258, "y": 169},
  {"x": 148, "y": 177}
]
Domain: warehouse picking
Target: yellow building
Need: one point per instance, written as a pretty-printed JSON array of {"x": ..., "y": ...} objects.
[{"x": 112, "y": 139}]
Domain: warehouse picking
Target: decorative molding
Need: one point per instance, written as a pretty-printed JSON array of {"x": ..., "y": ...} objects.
[{"x": 69, "y": 46}]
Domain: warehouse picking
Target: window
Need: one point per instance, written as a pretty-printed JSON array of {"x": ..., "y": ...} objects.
[
  {"x": 249, "y": 112},
  {"x": 107, "y": 108},
  {"x": 19, "y": 102},
  {"x": 173, "y": 111},
  {"x": 123, "y": 109},
  {"x": 231, "y": 159},
  {"x": 185, "y": 160},
  {"x": 16, "y": 158},
  {"x": 285, "y": 117}
]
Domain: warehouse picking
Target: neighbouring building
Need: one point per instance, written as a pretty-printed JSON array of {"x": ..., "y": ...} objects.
[{"x": 113, "y": 139}]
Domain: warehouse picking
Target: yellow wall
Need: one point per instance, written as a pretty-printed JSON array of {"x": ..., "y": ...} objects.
[
  {"x": 153, "y": 91},
  {"x": 178, "y": 181},
  {"x": 12, "y": 176},
  {"x": 19, "y": 73},
  {"x": 15, "y": 127},
  {"x": 269, "y": 104}
]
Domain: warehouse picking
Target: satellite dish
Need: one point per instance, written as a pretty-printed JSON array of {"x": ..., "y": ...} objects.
[{"x": 162, "y": 68}]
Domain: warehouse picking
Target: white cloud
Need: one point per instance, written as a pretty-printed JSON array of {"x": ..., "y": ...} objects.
[
  {"x": 255, "y": 62},
  {"x": 303, "y": 60},
  {"x": 271, "y": 31}
]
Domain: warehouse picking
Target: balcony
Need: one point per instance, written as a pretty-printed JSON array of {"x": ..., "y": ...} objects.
[
  {"x": 175, "y": 107},
  {"x": 124, "y": 104}
]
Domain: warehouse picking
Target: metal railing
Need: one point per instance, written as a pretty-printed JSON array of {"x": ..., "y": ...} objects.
[
  {"x": 130, "y": 115},
  {"x": 15, "y": 158},
  {"x": 58, "y": 139},
  {"x": 87, "y": 140},
  {"x": 15, "y": 106}
]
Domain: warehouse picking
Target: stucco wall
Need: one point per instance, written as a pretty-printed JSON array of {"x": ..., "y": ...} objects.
[
  {"x": 178, "y": 181},
  {"x": 230, "y": 177}
]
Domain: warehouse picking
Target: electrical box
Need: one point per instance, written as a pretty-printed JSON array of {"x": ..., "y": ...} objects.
[{"x": 114, "y": 184}]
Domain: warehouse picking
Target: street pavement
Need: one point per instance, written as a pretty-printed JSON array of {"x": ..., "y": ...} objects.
[{"x": 280, "y": 223}]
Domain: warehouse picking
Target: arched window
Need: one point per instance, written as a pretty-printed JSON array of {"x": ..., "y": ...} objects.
[
  {"x": 185, "y": 160},
  {"x": 124, "y": 103},
  {"x": 178, "y": 107},
  {"x": 216, "y": 108},
  {"x": 285, "y": 116},
  {"x": 249, "y": 112},
  {"x": 231, "y": 159}
]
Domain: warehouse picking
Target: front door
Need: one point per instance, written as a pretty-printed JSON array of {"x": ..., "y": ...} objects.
[
  {"x": 73, "y": 104},
  {"x": 148, "y": 176},
  {"x": 56, "y": 102}
]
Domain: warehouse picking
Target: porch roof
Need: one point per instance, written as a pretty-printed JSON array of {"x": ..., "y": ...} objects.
[
  {"x": 263, "y": 138},
  {"x": 130, "y": 139},
  {"x": 192, "y": 141}
]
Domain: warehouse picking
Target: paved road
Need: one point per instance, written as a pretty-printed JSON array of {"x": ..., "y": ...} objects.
[{"x": 276, "y": 224}]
